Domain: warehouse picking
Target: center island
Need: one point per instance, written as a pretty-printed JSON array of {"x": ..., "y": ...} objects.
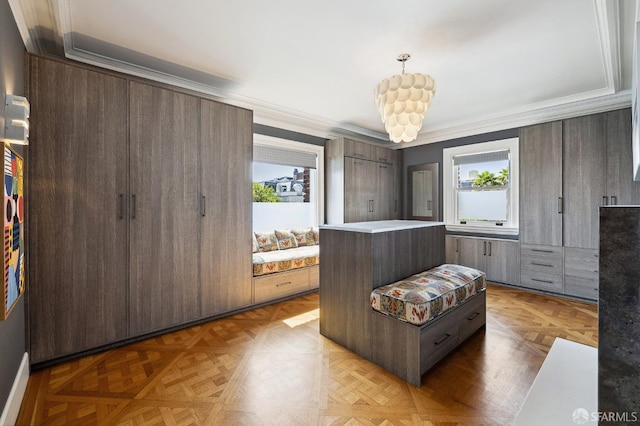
[{"x": 359, "y": 257}]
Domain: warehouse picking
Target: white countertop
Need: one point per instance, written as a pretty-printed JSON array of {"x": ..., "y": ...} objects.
[
  {"x": 374, "y": 227},
  {"x": 565, "y": 391}
]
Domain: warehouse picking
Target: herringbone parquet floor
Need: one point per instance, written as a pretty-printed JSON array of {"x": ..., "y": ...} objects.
[{"x": 270, "y": 366}]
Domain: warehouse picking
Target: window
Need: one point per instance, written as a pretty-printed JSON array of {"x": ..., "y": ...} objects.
[
  {"x": 287, "y": 184},
  {"x": 481, "y": 187}
]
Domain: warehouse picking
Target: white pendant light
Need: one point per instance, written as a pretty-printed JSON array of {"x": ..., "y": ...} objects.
[{"x": 403, "y": 101}]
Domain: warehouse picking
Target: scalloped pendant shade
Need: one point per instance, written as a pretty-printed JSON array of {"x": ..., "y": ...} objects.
[{"x": 403, "y": 101}]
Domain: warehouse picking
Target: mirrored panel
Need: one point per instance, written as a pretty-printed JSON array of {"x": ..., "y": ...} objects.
[{"x": 423, "y": 192}]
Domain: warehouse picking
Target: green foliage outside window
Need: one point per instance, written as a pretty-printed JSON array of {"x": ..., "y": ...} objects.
[
  {"x": 487, "y": 178},
  {"x": 264, "y": 194}
]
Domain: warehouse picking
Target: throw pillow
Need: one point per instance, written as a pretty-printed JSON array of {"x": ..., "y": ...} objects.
[
  {"x": 266, "y": 241},
  {"x": 304, "y": 237},
  {"x": 285, "y": 238}
]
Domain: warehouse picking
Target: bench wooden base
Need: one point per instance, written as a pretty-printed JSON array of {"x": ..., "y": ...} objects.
[{"x": 408, "y": 351}]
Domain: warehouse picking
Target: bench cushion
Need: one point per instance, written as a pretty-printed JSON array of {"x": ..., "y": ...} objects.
[
  {"x": 285, "y": 260},
  {"x": 422, "y": 297}
]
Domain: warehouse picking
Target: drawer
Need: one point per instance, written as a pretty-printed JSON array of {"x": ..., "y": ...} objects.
[
  {"x": 541, "y": 280},
  {"x": 438, "y": 339},
  {"x": 314, "y": 277},
  {"x": 581, "y": 287},
  {"x": 275, "y": 286},
  {"x": 471, "y": 316},
  {"x": 581, "y": 272},
  {"x": 534, "y": 257}
]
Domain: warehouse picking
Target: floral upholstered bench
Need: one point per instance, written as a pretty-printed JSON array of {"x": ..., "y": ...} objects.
[{"x": 420, "y": 319}]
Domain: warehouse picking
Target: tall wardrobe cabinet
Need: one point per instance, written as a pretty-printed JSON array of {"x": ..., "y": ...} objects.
[{"x": 140, "y": 208}]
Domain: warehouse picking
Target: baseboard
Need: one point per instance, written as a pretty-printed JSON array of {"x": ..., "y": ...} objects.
[{"x": 12, "y": 407}]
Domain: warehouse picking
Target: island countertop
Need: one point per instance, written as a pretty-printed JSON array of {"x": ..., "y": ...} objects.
[{"x": 374, "y": 227}]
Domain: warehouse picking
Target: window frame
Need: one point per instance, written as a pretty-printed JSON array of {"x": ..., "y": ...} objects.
[
  {"x": 299, "y": 146},
  {"x": 511, "y": 227}
]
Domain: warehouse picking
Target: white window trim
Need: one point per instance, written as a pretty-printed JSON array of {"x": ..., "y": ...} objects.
[
  {"x": 510, "y": 228},
  {"x": 305, "y": 147}
]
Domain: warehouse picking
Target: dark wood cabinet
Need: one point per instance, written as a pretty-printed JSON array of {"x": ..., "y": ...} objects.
[
  {"x": 363, "y": 182},
  {"x": 77, "y": 181},
  {"x": 139, "y": 208},
  {"x": 226, "y": 153},
  {"x": 165, "y": 208},
  {"x": 541, "y": 200}
]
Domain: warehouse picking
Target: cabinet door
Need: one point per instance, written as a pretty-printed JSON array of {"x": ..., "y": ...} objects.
[
  {"x": 473, "y": 253},
  {"x": 621, "y": 188},
  {"x": 165, "y": 205},
  {"x": 225, "y": 238},
  {"x": 584, "y": 179},
  {"x": 360, "y": 150},
  {"x": 384, "y": 200},
  {"x": 77, "y": 177},
  {"x": 541, "y": 184},
  {"x": 503, "y": 261},
  {"x": 383, "y": 155},
  {"x": 359, "y": 189},
  {"x": 452, "y": 249}
]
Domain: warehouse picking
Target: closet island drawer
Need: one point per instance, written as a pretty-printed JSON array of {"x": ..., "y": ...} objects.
[
  {"x": 282, "y": 284},
  {"x": 541, "y": 267}
]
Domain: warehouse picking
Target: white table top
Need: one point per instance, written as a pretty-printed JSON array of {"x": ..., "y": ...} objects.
[
  {"x": 381, "y": 226},
  {"x": 565, "y": 391}
]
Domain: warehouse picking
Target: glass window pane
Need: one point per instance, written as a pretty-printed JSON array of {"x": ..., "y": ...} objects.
[{"x": 482, "y": 206}]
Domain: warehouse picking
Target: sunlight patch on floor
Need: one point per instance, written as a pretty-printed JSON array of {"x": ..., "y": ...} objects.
[{"x": 293, "y": 322}]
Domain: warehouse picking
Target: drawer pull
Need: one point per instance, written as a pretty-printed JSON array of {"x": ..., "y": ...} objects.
[
  {"x": 442, "y": 339},
  {"x": 283, "y": 284},
  {"x": 542, "y": 281},
  {"x": 542, "y": 251},
  {"x": 474, "y": 316},
  {"x": 542, "y": 264}
]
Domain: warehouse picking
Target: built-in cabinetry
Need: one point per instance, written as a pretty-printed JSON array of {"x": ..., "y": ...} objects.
[
  {"x": 363, "y": 182},
  {"x": 132, "y": 229},
  {"x": 568, "y": 170},
  {"x": 496, "y": 257}
]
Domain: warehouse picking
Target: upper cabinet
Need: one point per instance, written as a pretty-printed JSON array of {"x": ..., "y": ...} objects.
[
  {"x": 363, "y": 182},
  {"x": 541, "y": 184}
]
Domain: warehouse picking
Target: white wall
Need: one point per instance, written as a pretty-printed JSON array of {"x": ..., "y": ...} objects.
[{"x": 270, "y": 216}]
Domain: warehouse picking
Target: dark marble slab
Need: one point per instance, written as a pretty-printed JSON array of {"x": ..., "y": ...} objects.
[{"x": 619, "y": 311}]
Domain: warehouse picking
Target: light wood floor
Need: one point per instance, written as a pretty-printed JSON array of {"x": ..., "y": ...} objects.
[{"x": 270, "y": 366}]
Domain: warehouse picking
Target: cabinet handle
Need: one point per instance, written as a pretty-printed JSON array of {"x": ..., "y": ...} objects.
[
  {"x": 542, "y": 281},
  {"x": 542, "y": 264},
  {"x": 121, "y": 206},
  {"x": 614, "y": 200},
  {"x": 474, "y": 316},
  {"x": 133, "y": 206},
  {"x": 605, "y": 200},
  {"x": 542, "y": 251},
  {"x": 383, "y": 167},
  {"x": 560, "y": 205},
  {"x": 442, "y": 339},
  {"x": 283, "y": 284},
  {"x": 373, "y": 206},
  {"x": 484, "y": 248},
  {"x": 489, "y": 243},
  {"x": 457, "y": 245},
  {"x": 428, "y": 204},
  {"x": 203, "y": 206}
]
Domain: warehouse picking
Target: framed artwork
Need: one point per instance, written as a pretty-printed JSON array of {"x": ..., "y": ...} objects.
[{"x": 14, "y": 273}]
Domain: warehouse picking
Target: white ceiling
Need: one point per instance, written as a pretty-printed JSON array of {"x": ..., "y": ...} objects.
[{"x": 312, "y": 66}]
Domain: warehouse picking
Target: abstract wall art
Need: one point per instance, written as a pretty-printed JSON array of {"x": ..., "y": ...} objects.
[{"x": 14, "y": 273}]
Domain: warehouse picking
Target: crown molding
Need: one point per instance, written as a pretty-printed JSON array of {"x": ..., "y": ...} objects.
[
  {"x": 589, "y": 105},
  {"x": 608, "y": 98},
  {"x": 24, "y": 13}
]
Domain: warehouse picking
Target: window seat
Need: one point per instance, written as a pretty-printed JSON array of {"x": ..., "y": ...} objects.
[{"x": 285, "y": 263}]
